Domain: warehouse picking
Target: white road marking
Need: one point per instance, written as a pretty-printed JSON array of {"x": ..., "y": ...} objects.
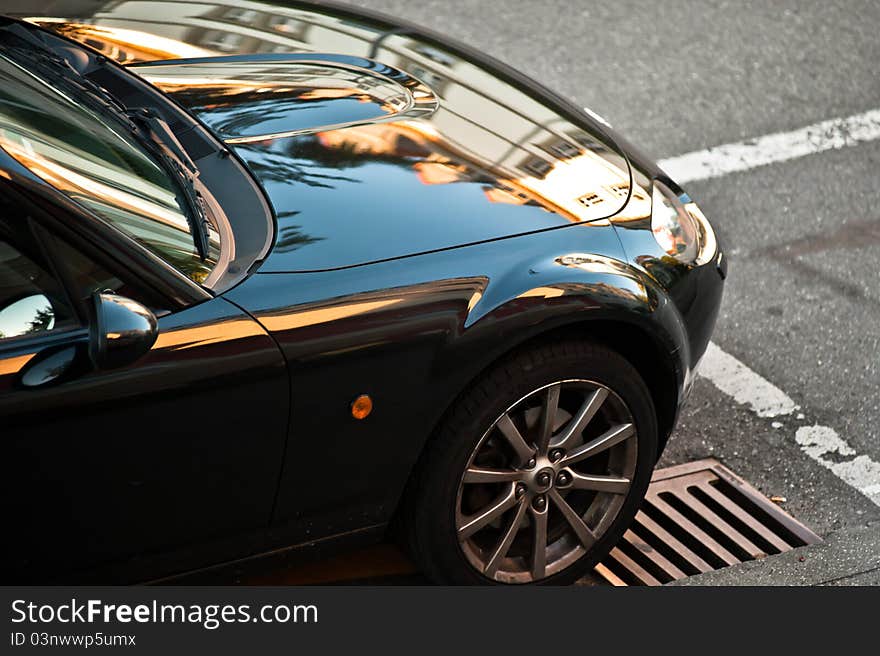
[
  {"x": 779, "y": 147},
  {"x": 821, "y": 443},
  {"x": 824, "y": 446},
  {"x": 745, "y": 386}
]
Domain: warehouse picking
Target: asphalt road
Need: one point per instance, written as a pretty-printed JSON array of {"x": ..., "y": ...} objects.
[{"x": 802, "y": 305}]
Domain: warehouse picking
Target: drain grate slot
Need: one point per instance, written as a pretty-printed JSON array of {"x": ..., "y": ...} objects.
[
  {"x": 700, "y": 541},
  {"x": 783, "y": 525},
  {"x": 756, "y": 533},
  {"x": 692, "y": 558},
  {"x": 632, "y": 569},
  {"x": 698, "y": 517},
  {"x": 679, "y": 560},
  {"x": 734, "y": 548},
  {"x": 652, "y": 559}
]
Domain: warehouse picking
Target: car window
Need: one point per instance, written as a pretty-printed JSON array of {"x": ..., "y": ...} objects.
[
  {"x": 90, "y": 159},
  {"x": 84, "y": 276},
  {"x": 31, "y": 299}
]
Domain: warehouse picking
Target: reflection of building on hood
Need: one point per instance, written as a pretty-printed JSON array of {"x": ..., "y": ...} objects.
[
  {"x": 126, "y": 46},
  {"x": 560, "y": 186},
  {"x": 250, "y": 99},
  {"x": 211, "y": 93}
]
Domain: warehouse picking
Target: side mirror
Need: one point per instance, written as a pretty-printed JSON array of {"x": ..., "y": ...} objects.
[{"x": 121, "y": 330}]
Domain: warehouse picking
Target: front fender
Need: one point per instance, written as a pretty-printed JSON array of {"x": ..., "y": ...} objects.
[{"x": 582, "y": 289}]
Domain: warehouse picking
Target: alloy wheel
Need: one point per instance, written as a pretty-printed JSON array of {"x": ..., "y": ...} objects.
[{"x": 546, "y": 481}]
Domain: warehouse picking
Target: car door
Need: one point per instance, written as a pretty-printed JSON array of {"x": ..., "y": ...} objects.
[{"x": 163, "y": 465}]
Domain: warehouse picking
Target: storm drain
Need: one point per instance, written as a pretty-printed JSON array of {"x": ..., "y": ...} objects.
[{"x": 698, "y": 517}]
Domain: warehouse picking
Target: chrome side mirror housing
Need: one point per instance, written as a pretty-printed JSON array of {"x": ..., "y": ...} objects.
[{"x": 121, "y": 331}]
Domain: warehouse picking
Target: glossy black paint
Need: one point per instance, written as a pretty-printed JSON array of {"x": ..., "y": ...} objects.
[
  {"x": 406, "y": 260},
  {"x": 113, "y": 467}
]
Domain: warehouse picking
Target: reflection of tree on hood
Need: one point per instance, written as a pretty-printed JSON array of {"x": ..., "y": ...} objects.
[
  {"x": 291, "y": 237},
  {"x": 345, "y": 155},
  {"x": 247, "y": 110},
  {"x": 307, "y": 161},
  {"x": 250, "y": 111}
]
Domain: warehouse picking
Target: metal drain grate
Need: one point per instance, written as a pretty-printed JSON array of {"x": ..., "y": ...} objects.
[{"x": 698, "y": 517}]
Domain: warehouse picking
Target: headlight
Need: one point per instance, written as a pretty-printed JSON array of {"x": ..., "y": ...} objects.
[{"x": 680, "y": 228}]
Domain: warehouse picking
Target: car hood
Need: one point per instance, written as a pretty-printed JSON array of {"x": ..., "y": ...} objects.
[{"x": 383, "y": 141}]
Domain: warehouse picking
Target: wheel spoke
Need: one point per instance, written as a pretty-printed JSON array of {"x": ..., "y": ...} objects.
[
  {"x": 498, "y": 507},
  {"x": 605, "y": 441},
  {"x": 612, "y": 484},
  {"x": 539, "y": 544},
  {"x": 579, "y": 422},
  {"x": 485, "y": 475},
  {"x": 548, "y": 417},
  {"x": 580, "y": 528},
  {"x": 504, "y": 544},
  {"x": 515, "y": 439}
]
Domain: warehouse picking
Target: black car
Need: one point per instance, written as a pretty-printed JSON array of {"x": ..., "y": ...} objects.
[{"x": 285, "y": 276}]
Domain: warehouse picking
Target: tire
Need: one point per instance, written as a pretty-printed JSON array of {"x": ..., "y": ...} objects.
[{"x": 438, "y": 503}]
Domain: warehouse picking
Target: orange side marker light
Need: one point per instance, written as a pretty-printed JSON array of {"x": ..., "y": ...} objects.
[{"x": 361, "y": 407}]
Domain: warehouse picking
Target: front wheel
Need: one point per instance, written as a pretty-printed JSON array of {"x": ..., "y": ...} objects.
[{"x": 537, "y": 470}]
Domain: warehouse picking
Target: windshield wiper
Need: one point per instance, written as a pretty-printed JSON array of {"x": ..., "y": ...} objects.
[
  {"x": 143, "y": 124},
  {"x": 162, "y": 142}
]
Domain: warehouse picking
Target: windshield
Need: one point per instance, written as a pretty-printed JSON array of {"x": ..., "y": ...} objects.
[{"x": 81, "y": 154}]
